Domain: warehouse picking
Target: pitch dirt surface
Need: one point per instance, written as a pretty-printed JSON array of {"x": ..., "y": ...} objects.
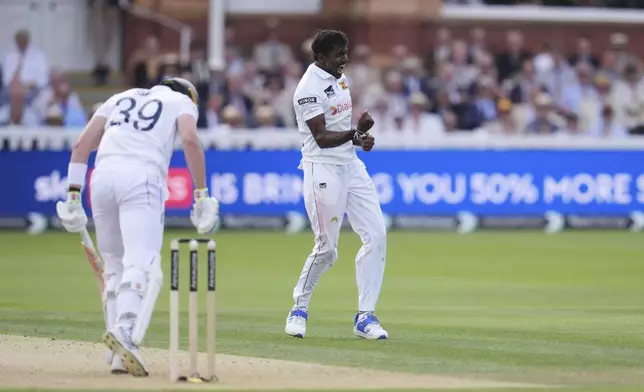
[{"x": 27, "y": 362}]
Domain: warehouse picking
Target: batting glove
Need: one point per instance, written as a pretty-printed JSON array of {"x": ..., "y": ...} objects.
[
  {"x": 205, "y": 212},
  {"x": 71, "y": 213}
]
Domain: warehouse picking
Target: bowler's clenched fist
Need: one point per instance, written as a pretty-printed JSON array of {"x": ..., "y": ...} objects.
[
  {"x": 368, "y": 142},
  {"x": 365, "y": 122}
]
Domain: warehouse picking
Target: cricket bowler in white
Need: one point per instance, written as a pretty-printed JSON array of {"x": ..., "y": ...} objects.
[
  {"x": 336, "y": 182},
  {"x": 134, "y": 134}
]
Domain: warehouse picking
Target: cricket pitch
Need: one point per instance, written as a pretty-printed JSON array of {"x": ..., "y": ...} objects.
[{"x": 27, "y": 362}]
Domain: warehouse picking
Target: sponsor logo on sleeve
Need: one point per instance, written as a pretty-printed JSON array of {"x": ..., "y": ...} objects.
[{"x": 306, "y": 100}]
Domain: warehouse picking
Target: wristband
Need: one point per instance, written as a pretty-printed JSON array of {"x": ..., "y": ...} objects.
[
  {"x": 201, "y": 193},
  {"x": 361, "y": 134},
  {"x": 357, "y": 138},
  {"x": 76, "y": 173}
]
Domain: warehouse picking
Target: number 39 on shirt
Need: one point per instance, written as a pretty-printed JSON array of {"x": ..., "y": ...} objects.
[{"x": 141, "y": 114}]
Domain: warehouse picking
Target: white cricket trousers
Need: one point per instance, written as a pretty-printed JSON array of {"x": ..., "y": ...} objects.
[
  {"x": 128, "y": 204},
  {"x": 330, "y": 191}
]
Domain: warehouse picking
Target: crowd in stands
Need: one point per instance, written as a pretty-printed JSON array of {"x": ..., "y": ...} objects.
[
  {"x": 33, "y": 93},
  {"x": 458, "y": 87}
]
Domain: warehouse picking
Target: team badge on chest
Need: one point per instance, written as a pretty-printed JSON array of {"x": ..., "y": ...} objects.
[{"x": 329, "y": 92}]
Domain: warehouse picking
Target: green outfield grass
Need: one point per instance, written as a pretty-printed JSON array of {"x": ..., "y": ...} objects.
[{"x": 564, "y": 309}]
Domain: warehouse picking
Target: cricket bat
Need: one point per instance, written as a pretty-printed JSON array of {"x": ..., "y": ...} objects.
[{"x": 93, "y": 257}]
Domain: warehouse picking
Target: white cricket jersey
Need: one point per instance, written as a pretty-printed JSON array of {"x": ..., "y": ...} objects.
[
  {"x": 319, "y": 92},
  {"x": 142, "y": 125}
]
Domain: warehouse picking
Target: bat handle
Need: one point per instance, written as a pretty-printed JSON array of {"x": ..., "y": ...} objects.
[{"x": 85, "y": 238}]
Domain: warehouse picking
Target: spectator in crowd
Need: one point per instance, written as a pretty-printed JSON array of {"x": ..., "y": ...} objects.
[
  {"x": 451, "y": 122},
  {"x": 58, "y": 98},
  {"x": 557, "y": 78},
  {"x": 233, "y": 118},
  {"x": 478, "y": 43},
  {"x": 469, "y": 115},
  {"x": 486, "y": 99},
  {"x": 267, "y": 118},
  {"x": 360, "y": 72},
  {"x": 511, "y": 59},
  {"x": 272, "y": 54},
  {"x": 519, "y": 88},
  {"x": 394, "y": 92},
  {"x": 572, "y": 125},
  {"x": 486, "y": 68},
  {"x": 443, "y": 103},
  {"x": 254, "y": 81},
  {"x": 292, "y": 73},
  {"x": 442, "y": 46},
  {"x": 584, "y": 54},
  {"x": 628, "y": 98},
  {"x": 144, "y": 65},
  {"x": 215, "y": 104},
  {"x": 504, "y": 124},
  {"x": 398, "y": 54},
  {"x": 464, "y": 72},
  {"x": 305, "y": 55},
  {"x": 544, "y": 60},
  {"x": 383, "y": 116},
  {"x": 419, "y": 121},
  {"x": 524, "y": 112},
  {"x": 53, "y": 117},
  {"x": 445, "y": 80},
  {"x": 273, "y": 85},
  {"x": 603, "y": 98},
  {"x": 170, "y": 65},
  {"x": 608, "y": 65},
  {"x": 542, "y": 124},
  {"x": 358, "y": 104},
  {"x": 619, "y": 47},
  {"x": 607, "y": 127},
  {"x": 283, "y": 100},
  {"x": 579, "y": 91},
  {"x": 25, "y": 72},
  {"x": 413, "y": 76},
  {"x": 234, "y": 96},
  {"x": 235, "y": 62}
]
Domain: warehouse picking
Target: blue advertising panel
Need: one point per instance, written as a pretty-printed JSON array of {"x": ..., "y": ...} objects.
[{"x": 444, "y": 182}]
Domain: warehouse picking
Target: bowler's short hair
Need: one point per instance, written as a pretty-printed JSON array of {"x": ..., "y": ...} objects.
[{"x": 327, "y": 40}]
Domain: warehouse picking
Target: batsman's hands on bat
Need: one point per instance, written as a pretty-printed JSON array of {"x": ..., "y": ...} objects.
[
  {"x": 71, "y": 213},
  {"x": 205, "y": 212}
]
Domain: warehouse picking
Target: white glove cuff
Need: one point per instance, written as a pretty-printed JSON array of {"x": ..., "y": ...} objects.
[
  {"x": 201, "y": 194},
  {"x": 76, "y": 173}
]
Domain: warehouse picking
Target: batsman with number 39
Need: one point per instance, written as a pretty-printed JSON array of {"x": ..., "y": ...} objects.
[
  {"x": 336, "y": 182},
  {"x": 134, "y": 134}
]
